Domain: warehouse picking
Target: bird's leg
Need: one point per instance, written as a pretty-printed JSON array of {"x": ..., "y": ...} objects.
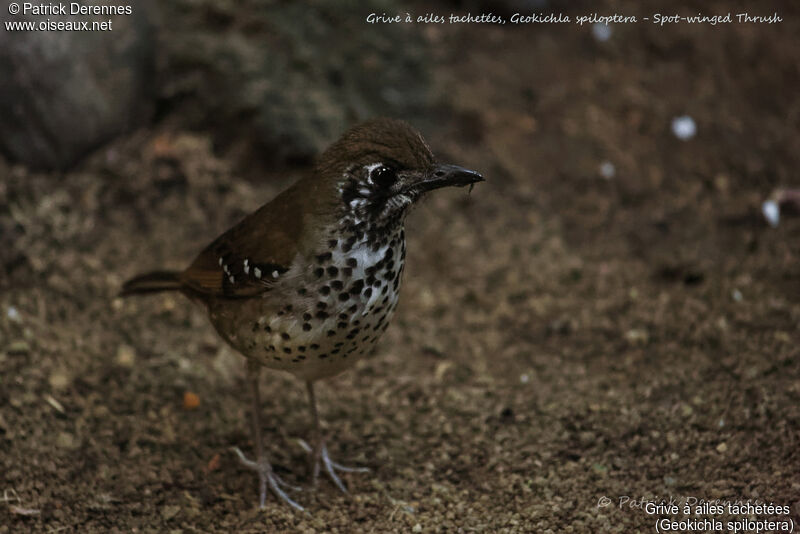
[
  {"x": 266, "y": 476},
  {"x": 319, "y": 452}
]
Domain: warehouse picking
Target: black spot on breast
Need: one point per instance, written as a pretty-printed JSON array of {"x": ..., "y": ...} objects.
[
  {"x": 285, "y": 336},
  {"x": 322, "y": 305},
  {"x": 306, "y": 316},
  {"x": 368, "y": 292},
  {"x": 313, "y": 346},
  {"x": 318, "y": 272},
  {"x": 331, "y": 333},
  {"x": 301, "y": 348},
  {"x": 341, "y": 325},
  {"x": 343, "y": 316},
  {"x": 356, "y": 287},
  {"x": 322, "y": 356},
  {"x": 347, "y": 271},
  {"x": 287, "y": 350},
  {"x": 325, "y": 290},
  {"x": 321, "y": 315},
  {"x": 337, "y": 285},
  {"x": 267, "y": 329},
  {"x": 322, "y": 258},
  {"x": 333, "y": 271},
  {"x": 301, "y": 291},
  {"x": 352, "y": 262},
  {"x": 306, "y": 327},
  {"x": 344, "y": 297}
]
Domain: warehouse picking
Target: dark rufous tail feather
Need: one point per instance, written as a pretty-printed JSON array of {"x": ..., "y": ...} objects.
[{"x": 154, "y": 282}]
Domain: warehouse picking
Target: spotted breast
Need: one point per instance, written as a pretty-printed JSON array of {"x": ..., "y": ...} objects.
[{"x": 333, "y": 307}]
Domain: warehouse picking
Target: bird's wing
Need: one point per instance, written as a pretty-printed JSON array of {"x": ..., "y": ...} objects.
[{"x": 249, "y": 258}]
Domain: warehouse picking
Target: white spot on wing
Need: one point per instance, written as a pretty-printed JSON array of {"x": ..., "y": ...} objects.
[{"x": 257, "y": 272}]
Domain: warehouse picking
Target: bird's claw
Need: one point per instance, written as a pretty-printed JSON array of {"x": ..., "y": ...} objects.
[
  {"x": 323, "y": 458},
  {"x": 268, "y": 478}
]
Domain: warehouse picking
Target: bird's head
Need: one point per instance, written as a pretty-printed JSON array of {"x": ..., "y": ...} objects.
[{"x": 381, "y": 167}]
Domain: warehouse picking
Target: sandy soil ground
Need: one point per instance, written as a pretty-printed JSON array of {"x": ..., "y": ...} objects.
[{"x": 562, "y": 338}]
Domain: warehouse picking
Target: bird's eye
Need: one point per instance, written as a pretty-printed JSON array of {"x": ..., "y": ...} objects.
[{"x": 384, "y": 176}]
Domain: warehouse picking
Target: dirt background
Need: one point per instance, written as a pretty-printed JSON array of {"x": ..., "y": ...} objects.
[{"x": 562, "y": 336}]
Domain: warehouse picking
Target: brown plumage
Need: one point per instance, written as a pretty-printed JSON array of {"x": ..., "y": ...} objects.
[{"x": 309, "y": 281}]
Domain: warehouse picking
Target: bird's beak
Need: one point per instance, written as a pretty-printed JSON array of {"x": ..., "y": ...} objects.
[{"x": 448, "y": 175}]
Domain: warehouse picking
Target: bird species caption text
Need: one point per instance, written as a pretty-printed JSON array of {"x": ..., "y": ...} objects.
[
  {"x": 691, "y": 514},
  {"x": 659, "y": 19}
]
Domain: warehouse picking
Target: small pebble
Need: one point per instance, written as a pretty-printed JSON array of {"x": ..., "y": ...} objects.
[
  {"x": 524, "y": 379},
  {"x": 126, "y": 356},
  {"x": 772, "y": 212},
  {"x": 65, "y": 440},
  {"x": 13, "y": 314},
  {"x": 190, "y": 401},
  {"x": 607, "y": 170},
  {"x": 722, "y": 447},
  {"x": 684, "y": 127},
  {"x": 736, "y": 295},
  {"x": 169, "y": 511},
  {"x": 59, "y": 380},
  {"x": 601, "y": 32}
]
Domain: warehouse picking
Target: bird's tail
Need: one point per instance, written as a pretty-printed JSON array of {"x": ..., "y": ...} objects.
[{"x": 154, "y": 282}]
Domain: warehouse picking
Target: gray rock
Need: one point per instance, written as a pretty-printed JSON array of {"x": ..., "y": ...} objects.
[
  {"x": 64, "y": 92},
  {"x": 287, "y": 77}
]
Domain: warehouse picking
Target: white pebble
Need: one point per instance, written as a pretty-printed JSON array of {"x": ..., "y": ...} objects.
[
  {"x": 772, "y": 212},
  {"x": 684, "y": 127},
  {"x": 736, "y": 295},
  {"x": 524, "y": 379},
  {"x": 607, "y": 170},
  {"x": 601, "y": 32},
  {"x": 13, "y": 314}
]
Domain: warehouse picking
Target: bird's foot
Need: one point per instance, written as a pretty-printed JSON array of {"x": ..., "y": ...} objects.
[
  {"x": 268, "y": 478},
  {"x": 320, "y": 458}
]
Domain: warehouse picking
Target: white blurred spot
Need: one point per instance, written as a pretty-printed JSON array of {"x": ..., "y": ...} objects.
[
  {"x": 607, "y": 170},
  {"x": 736, "y": 295},
  {"x": 13, "y": 314},
  {"x": 684, "y": 127},
  {"x": 524, "y": 379},
  {"x": 772, "y": 212},
  {"x": 601, "y": 32}
]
